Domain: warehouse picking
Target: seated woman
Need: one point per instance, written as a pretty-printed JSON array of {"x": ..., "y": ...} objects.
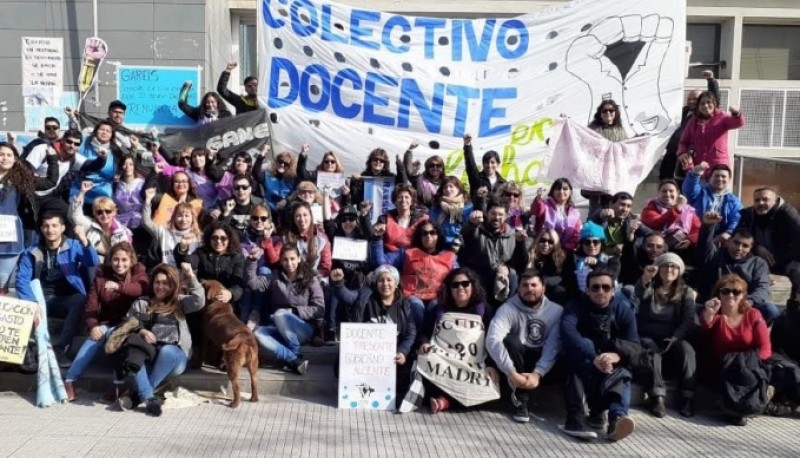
[
  {"x": 546, "y": 256},
  {"x": 182, "y": 226},
  {"x": 314, "y": 246},
  {"x": 424, "y": 265},
  {"x": 295, "y": 303},
  {"x": 279, "y": 180},
  {"x": 733, "y": 326},
  {"x": 259, "y": 229},
  {"x": 211, "y": 106},
  {"x": 461, "y": 293},
  {"x": 162, "y": 318},
  {"x": 586, "y": 258},
  {"x": 181, "y": 189},
  {"x": 115, "y": 287},
  {"x": 450, "y": 209},
  {"x": 670, "y": 216},
  {"x": 401, "y": 222},
  {"x": 665, "y": 321},
  {"x": 104, "y": 230},
  {"x": 383, "y": 302},
  {"x": 559, "y": 213}
]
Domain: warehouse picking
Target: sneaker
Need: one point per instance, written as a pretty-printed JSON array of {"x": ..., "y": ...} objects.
[
  {"x": 658, "y": 409},
  {"x": 298, "y": 366},
  {"x": 578, "y": 430},
  {"x": 596, "y": 421},
  {"x": 620, "y": 428},
  {"x": 688, "y": 408},
  {"x": 153, "y": 406},
  {"x": 520, "y": 413},
  {"x": 439, "y": 404},
  {"x": 62, "y": 359}
]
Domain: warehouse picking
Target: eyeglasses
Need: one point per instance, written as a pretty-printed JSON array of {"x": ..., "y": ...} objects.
[
  {"x": 263, "y": 219},
  {"x": 329, "y": 162},
  {"x": 181, "y": 182},
  {"x": 282, "y": 163},
  {"x": 436, "y": 166},
  {"x": 655, "y": 246},
  {"x": 76, "y": 143},
  {"x": 50, "y": 127},
  {"x": 670, "y": 266},
  {"x": 430, "y": 233},
  {"x": 597, "y": 287},
  {"x": 219, "y": 238},
  {"x": 545, "y": 241},
  {"x": 460, "y": 284},
  {"x": 376, "y": 160},
  {"x": 241, "y": 187},
  {"x": 729, "y": 291},
  {"x": 607, "y": 110},
  {"x": 512, "y": 194},
  {"x": 103, "y": 211},
  {"x": 591, "y": 242},
  {"x": 348, "y": 219}
]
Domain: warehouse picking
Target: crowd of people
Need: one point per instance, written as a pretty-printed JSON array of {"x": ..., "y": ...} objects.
[{"x": 679, "y": 289}]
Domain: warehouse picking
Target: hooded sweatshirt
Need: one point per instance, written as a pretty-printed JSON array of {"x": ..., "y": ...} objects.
[{"x": 536, "y": 327}]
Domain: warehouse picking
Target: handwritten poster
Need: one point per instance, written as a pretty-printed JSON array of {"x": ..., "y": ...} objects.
[
  {"x": 16, "y": 322},
  {"x": 334, "y": 181},
  {"x": 366, "y": 366},
  {"x": 8, "y": 228},
  {"x": 151, "y": 94},
  {"x": 347, "y": 249},
  {"x": 42, "y": 70},
  {"x": 35, "y": 114}
]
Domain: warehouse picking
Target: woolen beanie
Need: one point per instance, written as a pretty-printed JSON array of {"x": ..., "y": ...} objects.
[
  {"x": 592, "y": 230},
  {"x": 671, "y": 258},
  {"x": 386, "y": 269}
]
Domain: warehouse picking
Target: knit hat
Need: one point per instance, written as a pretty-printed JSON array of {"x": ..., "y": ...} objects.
[
  {"x": 592, "y": 230},
  {"x": 386, "y": 269},
  {"x": 671, "y": 258}
]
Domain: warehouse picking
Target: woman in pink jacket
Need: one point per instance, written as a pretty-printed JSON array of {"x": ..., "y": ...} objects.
[
  {"x": 705, "y": 137},
  {"x": 558, "y": 213}
]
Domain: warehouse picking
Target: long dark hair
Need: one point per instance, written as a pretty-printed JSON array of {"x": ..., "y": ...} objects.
[
  {"x": 293, "y": 235},
  {"x": 170, "y": 305},
  {"x": 446, "y": 297},
  {"x": 676, "y": 290},
  {"x": 233, "y": 237},
  {"x": 19, "y": 177},
  {"x": 598, "y": 117},
  {"x": 305, "y": 274},
  {"x": 558, "y": 184},
  {"x": 416, "y": 239}
]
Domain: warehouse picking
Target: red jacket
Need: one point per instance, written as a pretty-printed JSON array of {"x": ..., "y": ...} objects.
[
  {"x": 661, "y": 220},
  {"x": 423, "y": 273},
  {"x": 751, "y": 334},
  {"x": 397, "y": 236},
  {"x": 111, "y": 306}
]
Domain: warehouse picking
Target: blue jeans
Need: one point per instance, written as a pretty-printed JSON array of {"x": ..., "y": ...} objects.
[
  {"x": 86, "y": 354},
  {"x": 585, "y": 381},
  {"x": 8, "y": 264},
  {"x": 69, "y": 308},
  {"x": 417, "y": 311},
  {"x": 283, "y": 339},
  {"x": 170, "y": 361},
  {"x": 769, "y": 311}
]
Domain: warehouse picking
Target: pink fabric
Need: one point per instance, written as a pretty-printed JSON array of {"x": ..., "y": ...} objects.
[
  {"x": 547, "y": 217},
  {"x": 709, "y": 138},
  {"x": 169, "y": 169},
  {"x": 593, "y": 163}
]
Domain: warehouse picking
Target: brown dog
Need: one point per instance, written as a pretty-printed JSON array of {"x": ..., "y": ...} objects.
[{"x": 237, "y": 342}]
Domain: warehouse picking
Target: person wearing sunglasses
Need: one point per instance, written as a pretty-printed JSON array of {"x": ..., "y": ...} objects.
[
  {"x": 259, "y": 229},
  {"x": 558, "y": 212},
  {"x": 733, "y": 327},
  {"x": 242, "y": 102},
  {"x": 510, "y": 193},
  {"x": 382, "y": 302},
  {"x": 665, "y": 321},
  {"x": 670, "y": 215},
  {"x": 547, "y": 257},
  {"x": 735, "y": 256},
  {"x": 451, "y": 208},
  {"x": 377, "y": 166},
  {"x": 461, "y": 317},
  {"x": 103, "y": 230},
  {"x": 429, "y": 182},
  {"x": 484, "y": 183},
  {"x": 279, "y": 180},
  {"x": 587, "y": 257},
  {"x": 242, "y": 164},
  {"x": 329, "y": 164},
  {"x": 236, "y": 210},
  {"x": 49, "y": 135},
  {"x": 607, "y": 122},
  {"x": 599, "y": 336},
  {"x": 524, "y": 340},
  {"x": 424, "y": 265}
]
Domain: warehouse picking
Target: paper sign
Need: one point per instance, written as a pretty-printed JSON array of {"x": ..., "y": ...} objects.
[
  {"x": 151, "y": 94},
  {"x": 16, "y": 322},
  {"x": 42, "y": 70},
  {"x": 366, "y": 366},
  {"x": 334, "y": 181},
  {"x": 8, "y": 228},
  {"x": 347, "y": 249},
  {"x": 316, "y": 213}
]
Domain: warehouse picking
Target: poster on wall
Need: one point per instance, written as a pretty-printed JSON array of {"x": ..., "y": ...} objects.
[
  {"x": 42, "y": 70},
  {"x": 350, "y": 80},
  {"x": 366, "y": 366},
  {"x": 34, "y": 115},
  {"x": 151, "y": 94}
]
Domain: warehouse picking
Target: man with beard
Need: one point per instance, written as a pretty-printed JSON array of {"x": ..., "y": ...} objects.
[
  {"x": 595, "y": 329},
  {"x": 775, "y": 225},
  {"x": 524, "y": 340},
  {"x": 620, "y": 225}
]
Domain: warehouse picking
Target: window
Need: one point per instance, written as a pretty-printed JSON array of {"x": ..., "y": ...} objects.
[
  {"x": 248, "y": 45},
  {"x": 723, "y": 96},
  {"x": 705, "y": 48},
  {"x": 770, "y": 52},
  {"x": 773, "y": 118}
]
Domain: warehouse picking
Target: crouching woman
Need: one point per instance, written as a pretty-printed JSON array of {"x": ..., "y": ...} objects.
[{"x": 162, "y": 321}]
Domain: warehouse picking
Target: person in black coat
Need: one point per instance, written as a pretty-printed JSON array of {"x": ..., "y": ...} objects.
[{"x": 242, "y": 103}]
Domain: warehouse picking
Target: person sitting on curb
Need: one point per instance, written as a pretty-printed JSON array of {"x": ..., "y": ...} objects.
[
  {"x": 524, "y": 340},
  {"x": 713, "y": 196}
]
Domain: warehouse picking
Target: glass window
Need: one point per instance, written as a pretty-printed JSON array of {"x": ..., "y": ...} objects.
[
  {"x": 247, "y": 51},
  {"x": 705, "y": 48},
  {"x": 770, "y": 52}
]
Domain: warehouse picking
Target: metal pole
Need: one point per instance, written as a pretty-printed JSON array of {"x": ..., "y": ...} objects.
[
  {"x": 740, "y": 172},
  {"x": 94, "y": 34}
]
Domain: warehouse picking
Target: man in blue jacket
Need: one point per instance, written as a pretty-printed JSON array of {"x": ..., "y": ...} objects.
[
  {"x": 598, "y": 335},
  {"x": 713, "y": 196},
  {"x": 57, "y": 262}
]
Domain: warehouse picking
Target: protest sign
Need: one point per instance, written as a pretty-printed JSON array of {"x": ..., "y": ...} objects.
[
  {"x": 347, "y": 249},
  {"x": 350, "y": 79},
  {"x": 8, "y": 228},
  {"x": 42, "y": 70},
  {"x": 378, "y": 191},
  {"x": 334, "y": 182},
  {"x": 151, "y": 94},
  {"x": 16, "y": 322},
  {"x": 366, "y": 366},
  {"x": 316, "y": 213}
]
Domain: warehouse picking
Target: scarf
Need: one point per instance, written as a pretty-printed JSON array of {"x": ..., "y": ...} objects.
[
  {"x": 452, "y": 207},
  {"x": 427, "y": 189},
  {"x": 97, "y": 146}
]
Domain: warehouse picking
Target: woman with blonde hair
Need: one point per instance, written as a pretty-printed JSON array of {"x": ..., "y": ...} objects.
[
  {"x": 104, "y": 230},
  {"x": 279, "y": 180},
  {"x": 182, "y": 226}
]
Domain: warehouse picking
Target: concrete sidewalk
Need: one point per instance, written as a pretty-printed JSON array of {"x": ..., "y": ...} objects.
[{"x": 290, "y": 428}]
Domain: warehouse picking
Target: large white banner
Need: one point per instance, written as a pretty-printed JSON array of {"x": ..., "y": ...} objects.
[{"x": 351, "y": 80}]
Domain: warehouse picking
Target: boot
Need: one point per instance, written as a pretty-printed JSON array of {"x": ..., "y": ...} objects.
[
  {"x": 688, "y": 408},
  {"x": 70, "y": 389},
  {"x": 658, "y": 409}
]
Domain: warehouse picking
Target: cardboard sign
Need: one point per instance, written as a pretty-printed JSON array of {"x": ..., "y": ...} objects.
[
  {"x": 347, "y": 249},
  {"x": 334, "y": 181},
  {"x": 8, "y": 228},
  {"x": 151, "y": 94},
  {"x": 366, "y": 366},
  {"x": 16, "y": 322}
]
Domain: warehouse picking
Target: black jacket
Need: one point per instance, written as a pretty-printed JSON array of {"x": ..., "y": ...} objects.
[
  {"x": 227, "y": 268},
  {"x": 478, "y": 179},
  {"x": 744, "y": 383},
  {"x": 242, "y": 103},
  {"x": 778, "y": 231}
]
